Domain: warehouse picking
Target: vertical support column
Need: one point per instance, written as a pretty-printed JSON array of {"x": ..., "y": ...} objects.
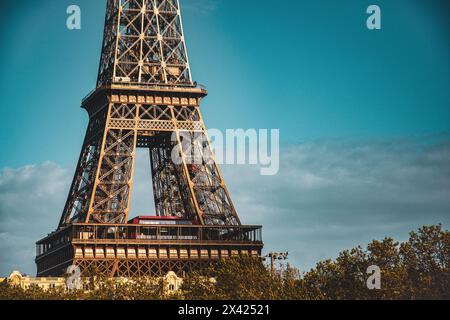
[
  {"x": 119, "y": 16},
  {"x": 216, "y": 166},
  {"x": 78, "y": 199},
  {"x": 133, "y": 163},
  {"x": 159, "y": 40},
  {"x": 102, "y": 154},
  {"x": 185, "y": 168},
  {"x": 184, "y": 44},
  {"x": 142, "y": 37},
  {"x": 110, "y": 199}
]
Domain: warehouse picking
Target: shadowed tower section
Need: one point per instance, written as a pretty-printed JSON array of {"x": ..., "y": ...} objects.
[{"x": 145, "y": 98}]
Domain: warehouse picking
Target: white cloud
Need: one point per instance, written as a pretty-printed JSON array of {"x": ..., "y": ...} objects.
[
  {"x": 334, "y": 195},
  {"x": 31, "y": 201},
  {"x": 328, "y": 196}
]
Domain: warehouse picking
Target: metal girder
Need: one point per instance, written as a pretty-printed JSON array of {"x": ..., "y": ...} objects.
[
  {"x": 102, "y": 187},
  {"x": 77, "y": 204},
  {"x": 144, "y": 44},
  {"x": 133, "y": 268}
]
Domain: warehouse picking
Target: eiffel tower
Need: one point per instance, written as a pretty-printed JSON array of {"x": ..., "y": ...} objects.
[{"x": 145, "y": 98}]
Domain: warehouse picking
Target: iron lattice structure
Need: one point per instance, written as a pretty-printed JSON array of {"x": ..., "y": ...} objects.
[{"x": 145, "y": 98}]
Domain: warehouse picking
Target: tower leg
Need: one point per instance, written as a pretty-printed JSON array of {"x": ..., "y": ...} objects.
[{"x": 110, "y": 199}]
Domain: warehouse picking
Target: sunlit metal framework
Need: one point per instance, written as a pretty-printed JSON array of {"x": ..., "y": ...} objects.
[
  {"x": 145, "y": 98},
  {"x": 144, "y": 44}
]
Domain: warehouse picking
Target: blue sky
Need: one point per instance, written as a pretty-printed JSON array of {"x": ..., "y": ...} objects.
[
  {"x": 360, "y": 112},
  {"x": 310, "y": 68}
]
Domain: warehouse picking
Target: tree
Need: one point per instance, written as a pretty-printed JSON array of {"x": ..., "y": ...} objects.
[
  {"x": 416, "y": 269},
  {"x": 426, "y": 258},
  {"x": 242, "y": 278},
  {"x": 199, "y": 286}
]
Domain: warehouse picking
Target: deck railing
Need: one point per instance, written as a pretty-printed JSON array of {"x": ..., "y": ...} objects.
[{"x": 127, "y": 233}]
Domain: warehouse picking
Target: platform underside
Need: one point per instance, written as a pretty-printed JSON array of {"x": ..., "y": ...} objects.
[{"x": 132, "y": 267}]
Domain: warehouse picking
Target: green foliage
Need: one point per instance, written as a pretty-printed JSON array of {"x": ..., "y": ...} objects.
[
  {"x": 199, "y": 286},
  {"x": 245, "y": 278},
  {"x": 134, "y": 289},
  {"x": 236, "y": 278},
  {"x": 416, "y": 269},
  {"x": 9, "y": 292}
]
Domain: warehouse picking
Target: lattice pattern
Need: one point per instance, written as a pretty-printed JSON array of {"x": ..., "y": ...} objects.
[
  {"x": 190, "y": 126},
  {"x": 123, "y": 111},
  {"x": 144, "y": 44},
  {"x": 122, "y": 124},
  {"x": 157, "y": 125},
  {"x": 171, "y": 188},
  {"x": 112, "y": 191},
  {"x": 193, "y": 189},
  {"x": 139, "y": 268},
  {"x": 107, "y": 61},
  {"x": 153, "y": 112},
  {"x": 77, "y": 204},
  {"x": 184, "y": 113},
  {"x": 211, "y": 194},
  {"x": 156, "y": 118}
]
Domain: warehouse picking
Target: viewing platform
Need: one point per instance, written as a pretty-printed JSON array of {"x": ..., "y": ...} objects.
[{"x": 156, "y": 245}]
